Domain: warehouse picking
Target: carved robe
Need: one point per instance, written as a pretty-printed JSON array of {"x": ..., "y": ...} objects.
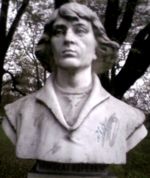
[{"x": 104, "y": 132}]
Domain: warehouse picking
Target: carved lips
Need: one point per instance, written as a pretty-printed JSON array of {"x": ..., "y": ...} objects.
[{"x": 69, "y": 53}]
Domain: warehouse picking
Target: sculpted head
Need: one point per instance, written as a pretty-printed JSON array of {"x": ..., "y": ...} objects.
[{"x": 75, "y": 33}]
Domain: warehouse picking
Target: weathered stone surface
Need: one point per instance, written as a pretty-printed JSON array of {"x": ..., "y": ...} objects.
[
  {"x": 72, "y": 119},
  {"x": 105, "y": 129}
]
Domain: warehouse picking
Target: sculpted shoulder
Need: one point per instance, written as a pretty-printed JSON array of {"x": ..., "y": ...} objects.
[
  {"x": 128, "y": 112},
  {"x": 13, "y": 117},
  {"x": 132, "y": 119},
  {"x": 17, "y": 106}
]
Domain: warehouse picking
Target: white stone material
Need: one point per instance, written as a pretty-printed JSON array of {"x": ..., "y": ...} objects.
[
  {"x": 46, "y": 126},
  {"x": 105, "y": 129}
]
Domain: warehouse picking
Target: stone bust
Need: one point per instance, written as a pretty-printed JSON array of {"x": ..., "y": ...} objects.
[{"x": 72, "y": 119}]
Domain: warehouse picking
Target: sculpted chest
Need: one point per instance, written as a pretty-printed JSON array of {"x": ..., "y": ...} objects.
[
  {"x": 105, "y": 130},
  {"x": 98, "y": 133}
]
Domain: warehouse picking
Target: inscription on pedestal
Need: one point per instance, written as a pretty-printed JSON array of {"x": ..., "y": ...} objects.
[{"x": 37, "y": 175}]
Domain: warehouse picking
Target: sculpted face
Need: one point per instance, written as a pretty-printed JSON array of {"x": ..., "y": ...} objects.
[{"x": 73, "y": 43}]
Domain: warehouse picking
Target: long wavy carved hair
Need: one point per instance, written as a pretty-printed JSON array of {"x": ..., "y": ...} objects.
[{"x": 106, "y": 49}]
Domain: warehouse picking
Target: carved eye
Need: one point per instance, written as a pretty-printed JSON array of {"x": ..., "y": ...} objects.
[
  {"x": 80, "y": 30},
  {"x": 59, "y": 31}
]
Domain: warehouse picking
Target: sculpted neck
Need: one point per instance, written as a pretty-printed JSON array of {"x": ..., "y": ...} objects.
[{"x": 80, "y": 78}]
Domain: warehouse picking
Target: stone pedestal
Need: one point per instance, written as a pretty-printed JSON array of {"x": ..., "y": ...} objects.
[
  {"x": 38, "y": 175},
  {"x": 44, "y": 169}
]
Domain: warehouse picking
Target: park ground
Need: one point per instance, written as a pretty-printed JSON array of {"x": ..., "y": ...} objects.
[{"x": 138, "y": 163}]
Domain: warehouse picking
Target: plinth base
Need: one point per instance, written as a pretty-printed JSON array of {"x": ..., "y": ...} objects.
[
  {"x": 37, "y": 175},
  {"x": 44, "y": 169}
]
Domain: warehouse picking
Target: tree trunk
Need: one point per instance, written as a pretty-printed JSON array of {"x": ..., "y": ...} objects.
[
  {"x": 119, "y": 34},
  {"x": 1, "y": 75},
  {"x": 58, "y": 3},
  {"x": 137, "y": 62},
  {"x": 111, "y": 18},
  {"x": 125, "y": 25},
  {"x": 6, "y": 38}
]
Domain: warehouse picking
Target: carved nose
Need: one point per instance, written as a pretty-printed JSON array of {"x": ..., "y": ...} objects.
[{"x": 69, "y": 36}]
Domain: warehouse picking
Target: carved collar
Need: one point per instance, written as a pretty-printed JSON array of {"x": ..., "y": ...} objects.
[{"x": 48, "y": 96}]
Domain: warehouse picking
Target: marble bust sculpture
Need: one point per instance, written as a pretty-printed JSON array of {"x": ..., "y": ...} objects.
[{"x": 72, "y": 118}]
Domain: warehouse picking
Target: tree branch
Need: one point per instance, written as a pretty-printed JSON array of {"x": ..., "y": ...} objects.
[
  {"x": 3, "y": 18},
  {"x": 111, "y": 17},
  {"x": 3, "y": 22},
  {"x": 58, "y": 3},
  {"x": 16, "y": 22},
  {"x": 14, "y": 82},
  {"x": 136, "y": 63},
  {"x": 126, "y": 21}
]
